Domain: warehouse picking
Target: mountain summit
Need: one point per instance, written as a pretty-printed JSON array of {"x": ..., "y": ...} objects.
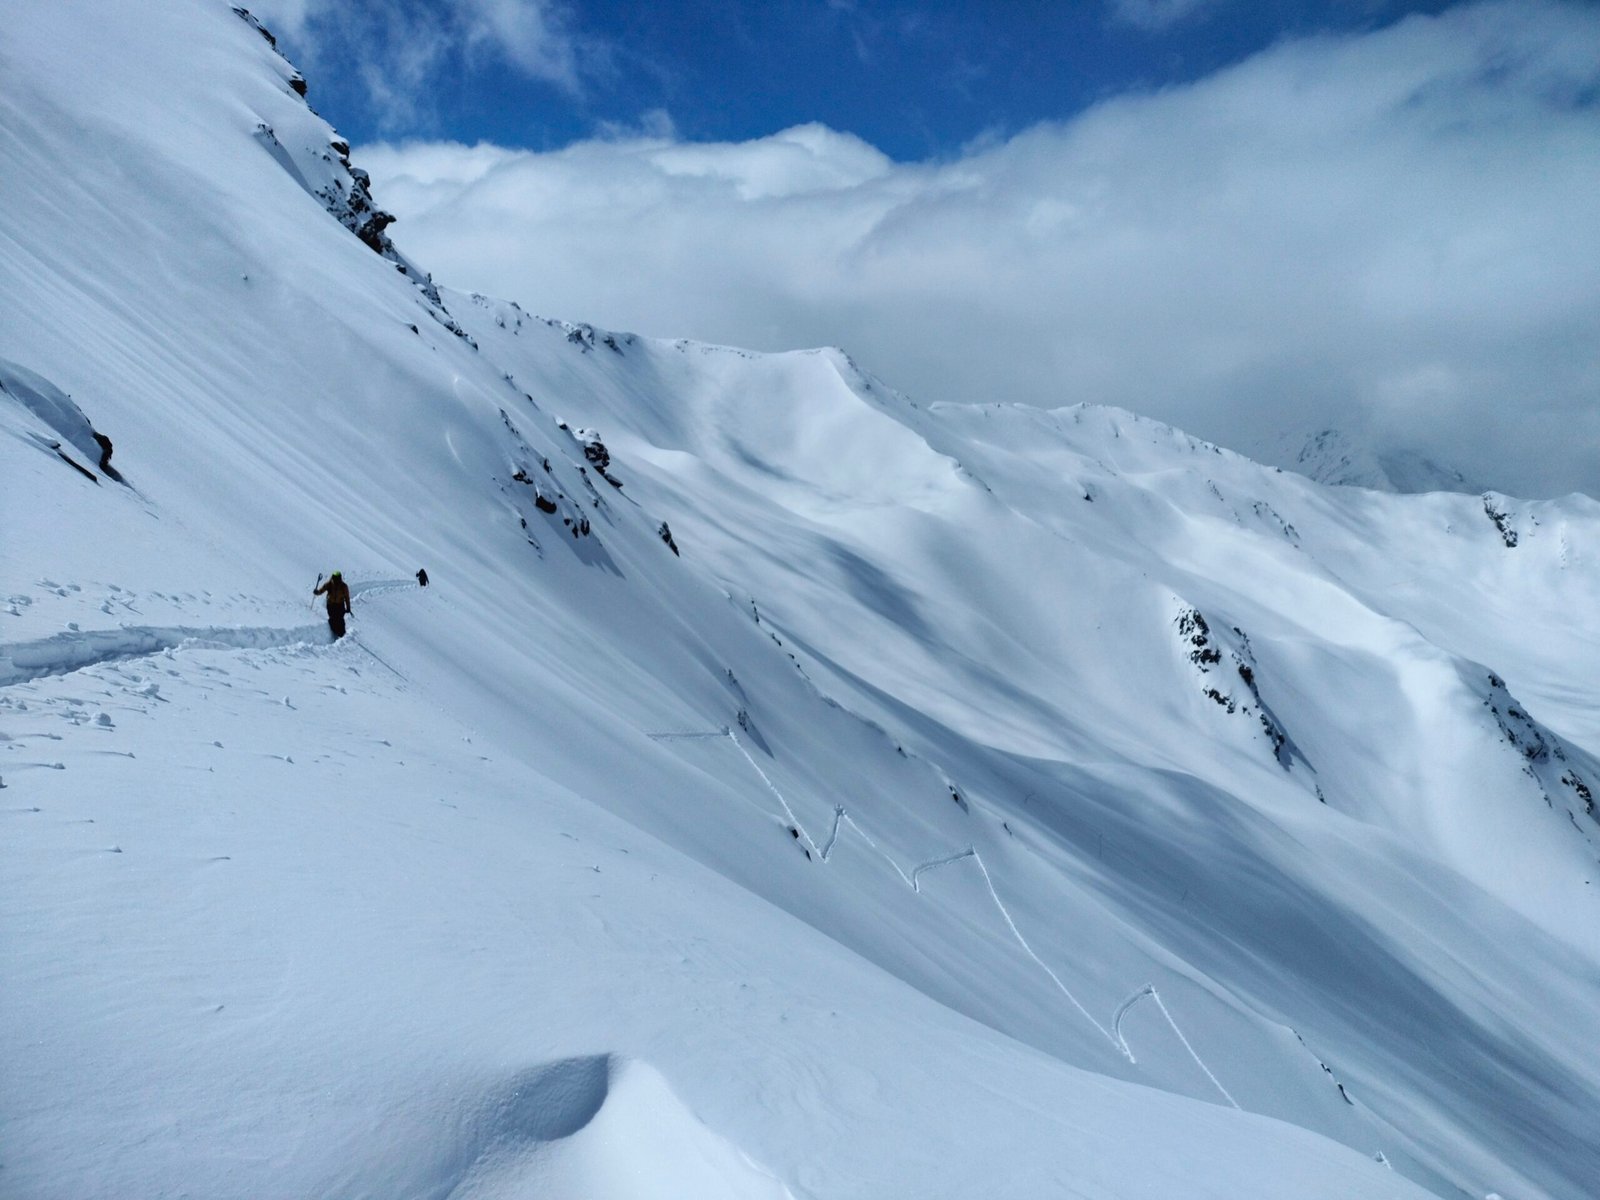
[{"x": 1340, "y": 459}]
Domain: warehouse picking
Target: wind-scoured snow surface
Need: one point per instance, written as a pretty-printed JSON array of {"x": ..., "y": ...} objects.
[{"x": 967, "y": 802}]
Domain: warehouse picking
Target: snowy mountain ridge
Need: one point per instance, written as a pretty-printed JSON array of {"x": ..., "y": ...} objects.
[{"x": 780, "y": 789}]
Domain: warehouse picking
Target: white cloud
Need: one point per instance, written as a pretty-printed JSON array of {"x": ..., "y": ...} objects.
[
  {"x": 529, "y": 34},
  {"x": 286, "y": 17},
  {"x": 1393, "y": 231},
  {"x": 654, "y": 125},
  {"x": 401, "y": 49},
  {"x": 1156, "y": 15},
  {"x": 806, "y": 160}
]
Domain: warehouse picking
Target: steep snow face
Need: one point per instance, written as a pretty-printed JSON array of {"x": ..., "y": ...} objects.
[
  {"x": 1041, "y": 560},
  {"x": 1228, "y": 672},
  {"x": 779, "y": 789}
]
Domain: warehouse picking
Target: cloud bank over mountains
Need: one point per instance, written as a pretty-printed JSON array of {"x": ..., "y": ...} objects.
[{"x": 1392, "y": 232}]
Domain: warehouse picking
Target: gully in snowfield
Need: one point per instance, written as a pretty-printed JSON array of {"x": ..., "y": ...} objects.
[{"x": 338, "y": 593}]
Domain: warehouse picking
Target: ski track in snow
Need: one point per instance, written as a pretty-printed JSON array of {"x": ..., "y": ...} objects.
[
  {"x": 1149, "y": 989},
  {"x": 912, "y": 880},
  {"x": 380, "y": 587}
]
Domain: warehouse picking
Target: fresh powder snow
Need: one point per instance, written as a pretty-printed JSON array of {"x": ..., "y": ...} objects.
[{"x": 783, "y": 788}]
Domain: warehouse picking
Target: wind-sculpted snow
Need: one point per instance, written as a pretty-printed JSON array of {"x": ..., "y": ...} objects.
[
  {"x": 599, "y": 1127},
  {"x": 51, "y": 406}
]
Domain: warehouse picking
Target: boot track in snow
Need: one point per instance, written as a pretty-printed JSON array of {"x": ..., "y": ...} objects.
[{"x": 75, "y": 650}]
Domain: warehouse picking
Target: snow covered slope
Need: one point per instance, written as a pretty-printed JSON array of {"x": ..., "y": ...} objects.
[
  {"x": 780, "y": 789},
  {"x": 1286, "y": 709}
]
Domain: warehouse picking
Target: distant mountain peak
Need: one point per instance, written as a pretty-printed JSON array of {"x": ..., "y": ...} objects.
[{"x": 1341, "y": 459}]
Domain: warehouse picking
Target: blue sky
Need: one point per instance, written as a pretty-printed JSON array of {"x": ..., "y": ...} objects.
[
  {"x": 914, "y": 80},
  {"x": 1253, "y": 219}
]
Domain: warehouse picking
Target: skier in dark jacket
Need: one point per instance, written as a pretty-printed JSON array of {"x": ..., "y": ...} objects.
[{"x": 338, "y": 593}]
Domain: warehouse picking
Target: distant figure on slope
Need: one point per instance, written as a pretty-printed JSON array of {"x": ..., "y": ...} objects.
[
  {"x": 105, "y": 450},
  {"x": 422, "y": 577},
  {"x": 338, "y": 593}
]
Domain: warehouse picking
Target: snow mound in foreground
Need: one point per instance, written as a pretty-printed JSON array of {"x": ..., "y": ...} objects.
[{"x": 601, "y": 1127}]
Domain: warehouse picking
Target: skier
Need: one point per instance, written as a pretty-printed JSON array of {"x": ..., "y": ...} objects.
[
  {"x": 338, "y": 593},
  {"x": 422, "y": 577},
  {"x": 105, "y": 450}
]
